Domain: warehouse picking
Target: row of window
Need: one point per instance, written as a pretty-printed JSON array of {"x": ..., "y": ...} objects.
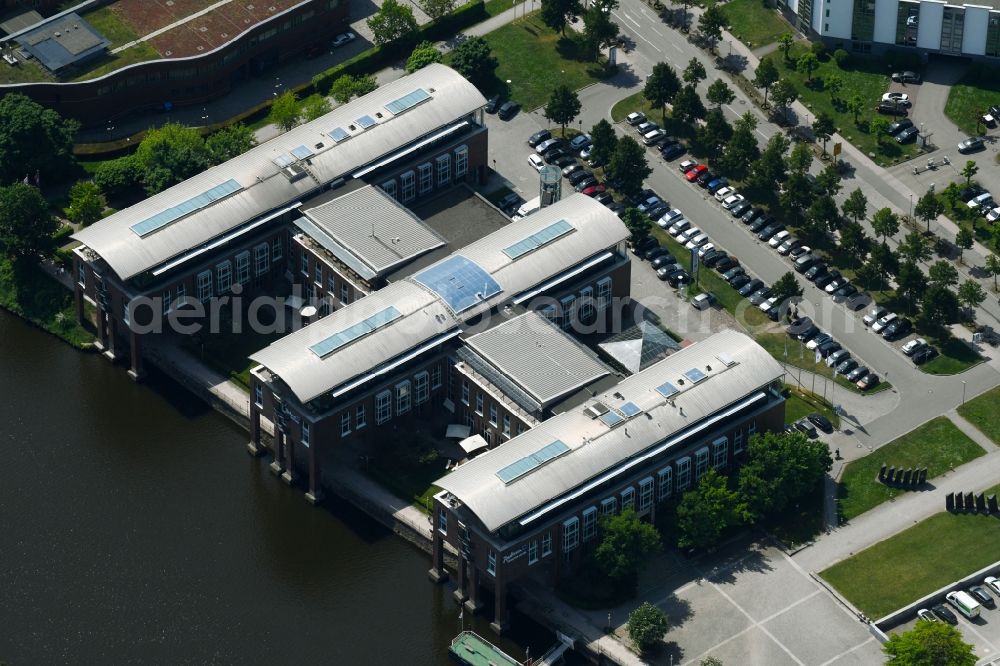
[
  {"x": 491, "y": 556},
  {"x": 422, "y": 180},
  {"x": 583, "y": 305},
  {"x": 405, "y": 392},
  {"x": 210, "y": 283},
  {"x": 318, "y": 275},
  {"x": 494, "y": 420}
]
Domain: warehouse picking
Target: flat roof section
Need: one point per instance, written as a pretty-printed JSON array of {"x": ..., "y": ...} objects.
[
  {"x": 460, "y": 217},
  {"x": 20, "y": 21},
  {"x": 63, "y": 41}
]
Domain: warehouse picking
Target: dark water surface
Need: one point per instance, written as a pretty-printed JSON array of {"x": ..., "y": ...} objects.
[{"x": 134, "y": 528}]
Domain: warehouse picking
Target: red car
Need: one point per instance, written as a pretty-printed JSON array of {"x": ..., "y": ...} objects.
[
  {"x": 693, "y": 174},
  {"x": 594, "y": 190}
]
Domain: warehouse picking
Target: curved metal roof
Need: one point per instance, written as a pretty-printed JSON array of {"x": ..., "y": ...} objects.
[{"x": 260, "y": 172}]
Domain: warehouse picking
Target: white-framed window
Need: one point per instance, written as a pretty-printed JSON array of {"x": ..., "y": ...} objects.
[
  {"x": 566, "y": 308},
  {"x": 570, "y": 534},
  {"x": 609, "y": 506},
  {"x": 223, "y": 276},
  {"x": 493, "y": 413},
  {"x": 261, "y": 258},
  {"x": 465, "y": 392},
  {"x": 421, "y": 387},
  {"x": 204, "y": 286},
  {"x": 331, "y": 282},
  {"x": 425, "y": 173},
  {"x": 443, "y": 521},
  {"x": 720, "y": 452},
  {"x": 479, "y": 403},
  {"x": 258, "y": 395},
  {"x": 436, "y": 376},
  {"x": 532, "y": 552},
  {"x": 603, "y": 293},
  {"x": 587, "y": 310},
  {"x": 277, "y": 249},
  {"x": 700, "y": 462},
  {"x": 546, "y": 544},
  {"x": 318, "y": 278},
  {"x": 167, "y": 299},
  {"x": 403, "y": 397},
  {"x": 666, "y": 478},
  {"x": 628, "y": 498},
  {"x": 487, "y": 435},
  {"x": 491, "y": 562},
  {"x": 461, "y": 161},
  {"x": 752, "y": 429},
  {"x": 82, "y": 277},
  {"x": 506, "y": 425},
  {"x": 444, "y": 169},
  {"x": 389, "y": 187},
  {"x": 645, "y": 493},
  {"x": 304, "y": 263},
  {"x": 360, "y": 418},
  {"x": 406, "y": 181},
  {"x": 181, "y": 293},
  {"x": 383, "y": 407},
  {"x": 589, "y": 523},
  {"x": 305, "y": 433},
  {"x": 243, "y": 267},
  {"x": 738, "y": 442},
  {"x": 345, "y": 424},
  {"x": 345, "y": 294},
  {"x": 684, "y": 473}
]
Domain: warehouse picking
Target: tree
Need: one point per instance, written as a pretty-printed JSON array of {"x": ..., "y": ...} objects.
[
  {"x": 646, "y": 626},
  {"x": 856, "y": 105},
  {"x": 628, "y": 164},
  {"x": 563, "y": 106},
  {"x": 710, "y": 661},
  {"x": 939, "y": 308},
  {"x": 688, "y": 106},
  {"x": 347, "y": 87},
  {"x": 885, "y": 223},
  {"x": 928, "y": 208},
  {"x": 833, "y": 83},
  {"x": 86, "y": 203},
  {"x": 117, "y": 175},
  {"x": 719, "y": 93},
  {"x": 285, "y": 112},
  {"x": 34, "y": 140},
  {"x": 854, "y": 242},
  {"x": 881, "y": 264},
  {"x": 229, "y": 142},
  {"x": 797, "y": 194},
  {"x": 942, "y": 273},
  {"x": 603, "y": 141},
  {"x": 765, "y": 76},
  {"x": 964, "y": 240},
  {"x": 714, "y": 134},
  {"x": 915, "y": 247},
  {"x": 768, "y": 171},
  {"x": 781, "y": 468},
  {"x": 911, "y": 283},
  {"x": 784, "y": 94},
  {"x": 598, "y": 28},
  {"x": 929, "y": 644},
  {"x": 800, "y": 159},
  {"x": 822, "y": 215},
  {"x": 661, "y": 87},
  {"x": 423, "y": 54},
  {"x": 557, "y": 13},
  {"x": 855, "y": 206},
  {"x": 785, "y": 43},
  {"x": 971, "y": 294},
  {"x": 474, "y": 60},
  {"x": 694, "y": 73},
  {"x": 637, "y": 224},
  {"x": 969, "y": 171},
  {"x": 26, "y": 227},
  {"x": 393, "y": 22},
  {"x": 786, "y": 287},
  {"x": 808, "y": 63},
  {"x": 315, "y": 106},
  {"x": 829, "y": 180},
  {"x": 626, "y": 544},
  {"x": 878, "y": 126},
  {"x": 706, "y": 512},
  {"x": 741, "y": 149},
  {"x": 992, "y": 267},
  {"x": 711, "y": 22},
  {"x": 823, "y": 128},
  {"x": 170, "y": 154},
  {"x": 437, "y": 8}
]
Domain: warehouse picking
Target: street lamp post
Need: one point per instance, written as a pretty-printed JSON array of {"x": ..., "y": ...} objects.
[
  {"x": 204, "y": 116},
  {"x": 111, "y": 131}
]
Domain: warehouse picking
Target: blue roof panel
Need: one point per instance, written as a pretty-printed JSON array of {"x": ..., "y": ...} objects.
[
  {"x": 538, "y": 239},
  {"x": 666, "y": 390},
  {"x": 519, "y": 468},
  {"x": 407, "y": 101},
  {"x": 165, "y": 217},
  {"x": 328, "y": 345},
  {"x": 460, "y": 282},
  {"x": 338, "y": 134}
]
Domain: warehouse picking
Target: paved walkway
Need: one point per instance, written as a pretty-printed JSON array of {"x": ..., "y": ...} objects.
[
  {"x": 974, "y": 433},
  {"x": 175, "y": 24}
]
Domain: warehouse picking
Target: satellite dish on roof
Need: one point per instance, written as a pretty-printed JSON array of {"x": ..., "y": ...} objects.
[{"x": 308, "y": 311}]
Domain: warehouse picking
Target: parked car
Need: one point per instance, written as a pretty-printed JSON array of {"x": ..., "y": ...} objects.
[
  {"x": 868, "y": 381},
  {"x": 571, "y": 169},
  {"x": 687, "y": 165},
  {"x": 845, "y": 366},
  {"x": 993, "y": 215},
  {"x": 696, "y": 241},
  {"x": 343, "y": 38},
  {"x": 562, "y": 161},
  {"x": 635, "y": 118},
  {"x": 679, "y": 278},
  {"x": 760, "y": 296},
  {"x": 879, "y": 324},
  {"x": 724, "y": 192},
  {"x": 594, "y": 190},
  {"x": 913, "y": 346},
  {"x": 724, "y": 264},
  {"x": 906, "y": 77},
  {"x": 837, "y": 357},
  {"x": 857, "y": 301},
  {"x": 705, "y": 249},
  {"x": 692, "y": 174},
  {"x": 740, "y": 208},
  {"x": 815, "y": 271},
  {"x": 604, "y": 198},
  {"x": 809, "y": 429},
  {"x": 663, "y": 260},
  {"x": 732, "y": 200},
  {"x": 778, "y": 238},
  {"x": 788, "y": 245},
  {"x": 833, "y": 285},
  {"x": 739, "y": 281},
  {"x": 705, "y": 178},
  {"x": 751, "y": 215},
  {"x": 536, "y": 161},
  {"x": 670, "y": 217},
  {"x": 654, "y": 252},
  {"x": 891, "y": 109},
  {"x": 672, "y": 151},
  {"x": 945, "y": 614},
  {"x": 665, "y": 269},
  {"x": 926, "y": 615},
  {"x": 993, "y": 583},
  {"x": 766, "y": 305},
  {"x": 823, "y": 280},
  {"x": 907, "y": 135},
  {"x": 980, "y": 201},
  {"x": 899, "y": 126},
  {"x": 580, "y": 141},
  {"x": 923, "y": 355},
  {"x": 508, "y": 110},
  {"x": 874, "y": 315},
  {"x": 857, "y": 373},
  {"x": 897, "y": 329},
  {"x": 980, "y": 594},
  {"x": 537, "y": 137},
  {"x": 756, "y": 225},
  {"x": 750, "y": 287},
  {"x": 653, "y": 137},
  {"x": 688, "y": 234},
  {"x": 769, "y": 231},
  {"x": 818, "y": 340},
  {"x": 717, "y": 185},
  {"x": 844, "y": 292},
  {"x": 827, "y": 348},
  {"x": 679, "y": 227},
  {"x": 897, "y": 98},
  {"x": 493, "y": 104},
  {"x": 585, "y": 183},
  {"x": 579, "y": 175},
  {"x": 971, "y": 145},
  {"x": 799, "y": 250},
  {"x": 646, "y": 127}
]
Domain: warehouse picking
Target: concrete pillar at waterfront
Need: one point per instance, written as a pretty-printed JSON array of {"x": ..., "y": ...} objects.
[
  {"x": 289, "y": 476},
  {"x": 473, "y": 604},
  {"x": 463, "y": 580},
  {"x": 78, "y": 302},
  {"x": 314, "y": 495},
  {"x": 278, "y": 464},
  {"x": 135, "y": 370},
  {"x": 254, "y": 447},
  {"x": 438, "y": 573},
  {"x": 501, "y": 618}
]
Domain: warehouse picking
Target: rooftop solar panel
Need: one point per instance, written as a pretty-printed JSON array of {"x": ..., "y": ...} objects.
[
  {"x": 519, "y": 468},
  {"x": 328, "y": 345},
  {"x": 283, "y": 160},
  {"x": 165, "y": 217},
  {"x": 666, "y": 390},
  {"x": 695, "y": 375},
  {"x": 407, "y": 101},
  {"x": 538, "y": 239},
  {"x": 338, "y": 134},
  {"x": 461, "y": 283},
  {"x": 302, "y": 152},
  {"x": 365, "y": 121},
  {"x": 611, "y": 419},
  {"x": 629, "y": 409}
]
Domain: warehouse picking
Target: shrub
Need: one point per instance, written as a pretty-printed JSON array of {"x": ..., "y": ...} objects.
[
  {"x": 818, "y": 49},
  {"x": 842, "y": 57}
]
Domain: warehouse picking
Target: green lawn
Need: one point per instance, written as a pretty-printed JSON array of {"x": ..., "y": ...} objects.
[
  {"x": 141, "y": 52},
  {"x": 753, "y": 23},
  {"x": 968, "y": 99},
  {"x": 109, "y": 24},
  {"x": 937, "y": 445},
  {"x": 27, "y": 291},
  {"x": 775, "y": 344},
  {"x": 800, "y": 403},
  {"x": 982, "y": 412},
  {"x": 408, "y": 468},
  {"x": 864, "y": 77},
  {"x": 495, "y": 7},
  {"x": 24, "y": 72},
  {"x": 956, "y": 357},
  {"x": 914, "y": 563},
  {"x": 535, "y": 60}
]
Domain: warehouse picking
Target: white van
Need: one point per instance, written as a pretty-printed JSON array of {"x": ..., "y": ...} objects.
[
  {"x": 964, "y": 602},
  {"x": 529, "y": 207}
]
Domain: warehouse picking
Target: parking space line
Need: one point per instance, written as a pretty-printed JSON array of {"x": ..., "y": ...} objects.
[
  {"x": 628, "y": 18},
  {"x": 656, "y": 31},
  {"x": 847, "y": 652},
  {"x": 978, "y": 635},
  {"x": 791, "y": 606},
  {"x": 650, "y": 43},
  {"x": 679, "y": 49},
  {"x": 757, "y": 624}
]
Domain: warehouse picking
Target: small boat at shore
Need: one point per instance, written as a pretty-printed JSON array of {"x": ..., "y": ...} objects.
[{"x": 473, "y": 650}]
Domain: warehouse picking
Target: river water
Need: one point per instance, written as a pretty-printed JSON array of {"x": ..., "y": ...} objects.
[{"x": 134, "y": 528}]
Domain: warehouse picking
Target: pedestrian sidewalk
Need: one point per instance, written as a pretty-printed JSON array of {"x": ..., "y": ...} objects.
[{"x": 974, "y": 433}]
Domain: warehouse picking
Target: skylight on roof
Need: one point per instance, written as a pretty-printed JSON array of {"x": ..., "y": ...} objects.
[
  {"x": 666, "y": 389},
  {"x": 460, "y": 282},
  {"x": 328, "y": 345},
  {"x": 165, "y": 217},
  {"x": 407, "y": 101},
  {"x": 517, "y": 469},
  {"x": 611, "y": 419},
  {"x": 365, "y": 121},
  {"x": 726, "y": 359},
  {"x": 339, "y": 134},
  {"x": 629, "y": 409},
  {"x": 283, "y": 160},
  {"x": 538, "y": 239},
  {"x": 695, "y": 375},
  {"x": 302, "y": 152}
]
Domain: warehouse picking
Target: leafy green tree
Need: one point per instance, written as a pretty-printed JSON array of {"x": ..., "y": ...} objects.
[
  {"x": 626, "y": 544},
  {"x": 823, "y": 127},
  {"x": 942, "y": 273},
  {"x": 423, "y": 54},
  {"x": 557, "y": 13},
  {"x": 855, "y": 206},
  {"x": 706, "y": 512},
  {"x": 915, "y": 247},
  {"x": 964, "y": 240},
  {"x": 856, "y": 105},
  {"x": 784, "y": 94},
  {"x": 928, "y": 208},
  {"x": 969, "y": 171},
  {"x": 26, "y": 226},
  {"x": 170, "y": 154},
  {"x": 688, "y": 106},
  {"x": 347, "y": 87},
  {"x": 710, "y": 661},
  {"x": 768, "y": 171},
  {"x": 939, "y": 308},
  {"x": 800, "y": 159},
  {"x": 765, "y": 76},
  {"x": 882, "y": 263},
  {"x": 694, "y": 73},
  {"x": 854, "y": 242},
  {"x": 929, "y": 644},
  {"x": 911, "y": 283},
  {"x": 822, "y": 215},
  {"x": 229, "y": 142},
  {"x": 885, "y": 223},
  {"x": 628, "y": 164},
  {"x": 315, "y": 106},
  {"x": 719, "y": 93},
  {"x": 599, "y": 30},
  {"x": 786, "y": 287},
  {"x": 86, "y": 203},
  {"x": 34, "y": 139},
  {"x": 797, "y": 195},
  {"x": 781, "y": 468},
  {"x": 637, "y": 224},
  {"x": 285, "y": 111},
  {"x": 662, "y": 85},
  {"x": 563, "y": 106},
  {"x": 785, "y": 43},
  {"x": 118, "y": 175},
  {"x": 646, "y": 626},
  {"x": 713, "y": 135},
  {"x": 474, "y": 60},
  {"x": 808, "y": 63},
  {"x": 741, "y": 150},
  {"x": 393, "y": 22},
  {"x": 603, "y": 141},
  {"x": 878, "y": 126},
  {"x": 437, "y": 8},
  {"x": 829, "y": 180},
  {"x": 711, "y": 22},
  {"x": 971, "y": 295},
  {"x": 834, "y": 84},
  {"x": 992, "y": 267}
]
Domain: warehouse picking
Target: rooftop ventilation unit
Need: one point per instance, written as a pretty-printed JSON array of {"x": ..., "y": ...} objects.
[{"x": 596, "y": 409}]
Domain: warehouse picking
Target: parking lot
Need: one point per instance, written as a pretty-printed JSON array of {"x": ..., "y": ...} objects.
[{"x": 983, "y": 633}]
